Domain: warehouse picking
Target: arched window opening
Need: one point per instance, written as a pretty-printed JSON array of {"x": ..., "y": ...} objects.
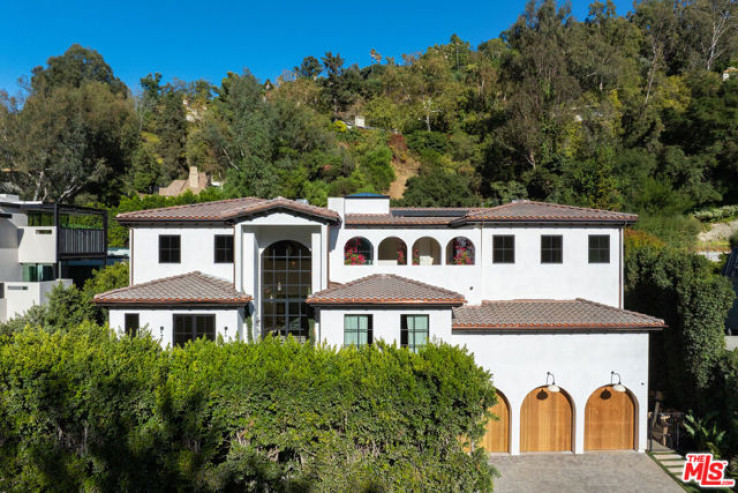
[
  {"x": 426, "y": 251},
  {"x": 392, "y": 251},
  {"x": 286, "y": 282},
  {"x": 460, "y": 251},
  {"x": 357, "y": 251}
]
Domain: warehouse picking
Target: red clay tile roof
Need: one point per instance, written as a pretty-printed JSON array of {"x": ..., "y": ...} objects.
[
  {"x": 543, "y": 315},
  {"x": 526, "y": 211},
  {"x": 386, "y": 289},
  {"x": 224, "y": 210},
  {"x": 522, "y": 211},
  {"x": 193, "y": 288}
]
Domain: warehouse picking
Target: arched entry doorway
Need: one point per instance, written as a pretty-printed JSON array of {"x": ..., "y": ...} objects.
[
  {"x": 497, "y": 434},
  {"x": 286, "y": 270},
  {"x": 546, "y": 421},
  {"x": 609, "y": 420}
]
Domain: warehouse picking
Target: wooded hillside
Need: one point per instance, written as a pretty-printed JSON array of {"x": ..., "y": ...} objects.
[{"x": 627, "y": 112}]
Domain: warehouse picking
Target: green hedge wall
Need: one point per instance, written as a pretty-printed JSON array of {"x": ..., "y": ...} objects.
[{"x": 85, "y": 410}]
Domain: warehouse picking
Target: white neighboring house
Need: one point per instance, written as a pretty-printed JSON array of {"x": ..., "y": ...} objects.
[
  {"x": 533, "y": 290},
  {"x": 43, "y": 244}
]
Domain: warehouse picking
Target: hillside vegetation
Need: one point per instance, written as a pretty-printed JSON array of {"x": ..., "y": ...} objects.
[{"x": 624, "y": 112}]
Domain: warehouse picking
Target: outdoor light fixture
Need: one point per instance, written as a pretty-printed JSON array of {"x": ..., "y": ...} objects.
[
  {"x": 161, "y": 331},
  {"x": 618, "y": 387},
  {"x": 552, "y": 387},
  {"x": 279, "y": 286},
  {"x": 226, "y": 331}
]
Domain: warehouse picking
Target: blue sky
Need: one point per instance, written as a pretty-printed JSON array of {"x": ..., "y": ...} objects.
[{"x": 191, "y": 40}]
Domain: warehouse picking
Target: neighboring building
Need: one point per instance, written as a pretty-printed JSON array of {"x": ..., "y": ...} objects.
[
  {"x": 534, "y": 290},
  {"x": 42, "y": 244},
  {"x": 196, "y": 182}
]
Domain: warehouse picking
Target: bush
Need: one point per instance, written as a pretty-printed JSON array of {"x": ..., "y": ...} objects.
[
  {"x": 716, "y": 213},
  {"x": 682, "y": 289},
  {"x": 84, "y": 410}
]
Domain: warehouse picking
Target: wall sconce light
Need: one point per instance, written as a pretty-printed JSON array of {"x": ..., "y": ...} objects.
[
  {"x": 226, "y": 331},
  {"x": 552, "y": 387},
  {"x": 161, "y": 332},
  {"x": 618, "y": 387}
]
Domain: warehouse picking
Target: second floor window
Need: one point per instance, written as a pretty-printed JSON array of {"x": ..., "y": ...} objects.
[
  {"x": 169, "y": 249},
  {"x": 357, "y": 330},
  {"x": 503, "y": 249},
  {"x": 599, "y": 249},
  {"x": 552, "y": 249},
  {"x": 223, "y": 249},
  {"x": 413, "y": 331}
]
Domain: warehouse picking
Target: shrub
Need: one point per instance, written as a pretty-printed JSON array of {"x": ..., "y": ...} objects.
[{"x": 84, "y": 410}]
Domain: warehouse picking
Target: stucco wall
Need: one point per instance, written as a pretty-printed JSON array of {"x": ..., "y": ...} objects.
[
  {"x": 20, "y": 296},
  {"x": 37, "y": 245},
  {"x": 526, "y": 278},
  {"x": 581, "y": 363},
  {"x": 197, "y": 253},
  {"x": 386, "y": 323},
  {"x": 160, "y": 322}
]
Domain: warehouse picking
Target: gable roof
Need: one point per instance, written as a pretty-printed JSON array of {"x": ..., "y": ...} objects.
[
  {"x": 193, "y": 288},
  {"x": 227, "y": 211},
  {"x": 386, "y": 289},
  {"x": 550, "y": 315}
]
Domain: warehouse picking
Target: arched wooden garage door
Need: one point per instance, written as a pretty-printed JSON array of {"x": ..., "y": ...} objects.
[
  {"x": 546, "y": 421},
  {"x": 609, "y": 420},
  {"x": 497, "y": 436}
]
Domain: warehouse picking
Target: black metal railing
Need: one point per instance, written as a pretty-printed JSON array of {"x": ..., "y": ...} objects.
[{"x": 81, "y": 241}]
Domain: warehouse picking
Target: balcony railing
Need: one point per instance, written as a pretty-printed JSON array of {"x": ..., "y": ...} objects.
[{"x": 81, "y": 241}]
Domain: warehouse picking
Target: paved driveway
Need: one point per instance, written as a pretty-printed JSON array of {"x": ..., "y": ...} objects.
[{"x": 594, "y": 472}]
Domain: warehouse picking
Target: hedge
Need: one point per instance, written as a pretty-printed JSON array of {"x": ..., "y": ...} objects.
[{"x": 85, "y": 410}]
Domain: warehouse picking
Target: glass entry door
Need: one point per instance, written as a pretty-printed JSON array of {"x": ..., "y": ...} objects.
[{"x": 286, "y": 271}]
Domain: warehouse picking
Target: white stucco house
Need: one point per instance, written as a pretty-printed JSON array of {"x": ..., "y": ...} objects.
[
  {"x": 43, "y": 244},
  {"x": 533, "y": 290}
]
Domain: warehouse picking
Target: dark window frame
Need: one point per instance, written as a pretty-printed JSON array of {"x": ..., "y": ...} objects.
[
  {"x": 406, "y": 334},
  {"x": 190, "y": 327},
  {"x": 599, "y": 252},
  {"x": 286, "y": 282},
  {"x": 170, "y": 249},
  {"x": 223, "y": 249},
  {"x": 131, "y": 323},
  {"x": 551, "y": 252},
  {"x": 503, "y": 253},
  {"x": 357, "y": 331}
]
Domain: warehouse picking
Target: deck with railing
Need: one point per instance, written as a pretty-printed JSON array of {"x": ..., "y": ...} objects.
[{"x": 81, "y": 242}]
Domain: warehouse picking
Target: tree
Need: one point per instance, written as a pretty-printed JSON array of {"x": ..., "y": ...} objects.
[
  {"x": 437, "y": 188},
  {"x": 310, "y": 68},
  {"x": 77, "y": 66},
  {"x": 680, "y": 288},
  {"x": 68, "y": 140}
]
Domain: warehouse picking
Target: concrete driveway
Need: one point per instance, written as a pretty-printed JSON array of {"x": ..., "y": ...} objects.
[{"x": 593, "y": 472}]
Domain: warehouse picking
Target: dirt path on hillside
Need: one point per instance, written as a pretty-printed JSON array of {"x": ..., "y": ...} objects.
[{"x": 403, "y": 171}]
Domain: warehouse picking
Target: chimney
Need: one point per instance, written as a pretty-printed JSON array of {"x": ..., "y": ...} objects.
[{"x": 193, "y": 181}]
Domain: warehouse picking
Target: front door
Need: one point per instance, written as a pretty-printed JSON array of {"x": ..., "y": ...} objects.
[{"x": 286, "y": 270}]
